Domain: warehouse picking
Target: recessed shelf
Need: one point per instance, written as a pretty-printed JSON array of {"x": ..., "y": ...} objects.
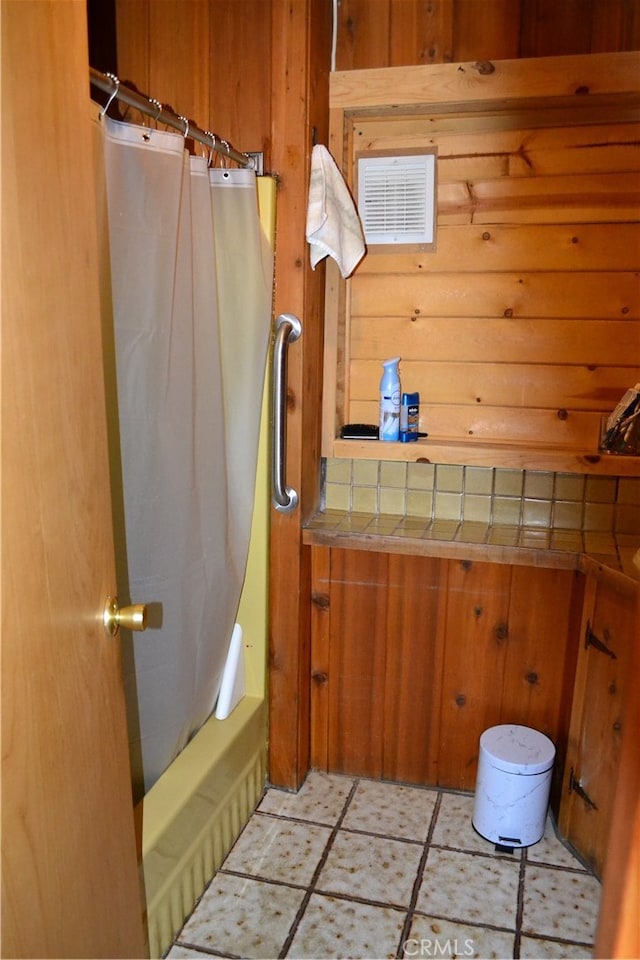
[{"x": 490, "y": 455}]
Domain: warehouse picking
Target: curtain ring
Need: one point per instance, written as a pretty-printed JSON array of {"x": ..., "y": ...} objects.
[
  {"x": 225, "y": 157},
  {"x": 158, "y": 106},
  {"x": 212, "y": 147},
  {"x": 113, "y": 96},
  {"x": 186, "y": 126}
]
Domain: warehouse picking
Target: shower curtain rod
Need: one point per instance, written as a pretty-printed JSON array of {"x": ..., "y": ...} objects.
[{"x": 110, "y": 84}]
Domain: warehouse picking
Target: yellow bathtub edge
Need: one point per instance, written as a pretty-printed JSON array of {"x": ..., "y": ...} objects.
[{"x": 193, "y": 815}]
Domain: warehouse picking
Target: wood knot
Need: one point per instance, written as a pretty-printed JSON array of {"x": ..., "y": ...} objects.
[
  {"x": 466, "y": 564},
  {"x": 562, "y": 414},
  {"x": 508, "y": 312},
  {"x": 532, "y": 678},
  {"x": 320, "y": 600},
  {"x": 461, "y": 700},
  {"x": 582, "y": 90},
  {"x": 319, "y": 676},
  {"x": 501, "y": 632},
  {"x": 484, "y": 67}
]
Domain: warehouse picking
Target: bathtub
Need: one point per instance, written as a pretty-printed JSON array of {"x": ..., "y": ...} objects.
[
  {"x": 190, "y": 818},
  {"x": 193, "y": 814}
]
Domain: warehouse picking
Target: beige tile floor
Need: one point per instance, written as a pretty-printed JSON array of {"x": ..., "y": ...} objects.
[{"x": 368, "y": 869}]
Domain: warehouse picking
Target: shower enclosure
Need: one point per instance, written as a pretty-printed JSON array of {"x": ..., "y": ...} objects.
[{"x": 187, "y": 277}]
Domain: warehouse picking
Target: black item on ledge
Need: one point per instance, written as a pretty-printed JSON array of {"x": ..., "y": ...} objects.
[{"x": 360, "y": 431}]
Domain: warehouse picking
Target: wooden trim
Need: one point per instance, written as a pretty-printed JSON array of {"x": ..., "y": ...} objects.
[
  {"x": 301, "y": 42},
  {"x": 504, "y": 81},
  {"x": 619, "y": 926}
]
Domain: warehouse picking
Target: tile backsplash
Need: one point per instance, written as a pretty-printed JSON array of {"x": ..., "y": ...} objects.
[{"x": 564, "y": 501}]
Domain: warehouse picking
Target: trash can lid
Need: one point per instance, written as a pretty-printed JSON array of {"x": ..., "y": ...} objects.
[{"x": 517, "y": 749}]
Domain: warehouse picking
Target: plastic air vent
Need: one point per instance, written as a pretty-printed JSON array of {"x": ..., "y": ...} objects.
[{"x": 396, "y": 198}]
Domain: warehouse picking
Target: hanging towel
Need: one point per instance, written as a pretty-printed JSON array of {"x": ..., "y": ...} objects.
[{"x": 333, "y": 225}]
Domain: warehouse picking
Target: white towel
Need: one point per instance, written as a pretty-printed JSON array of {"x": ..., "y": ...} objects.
[{"x": 333, "y": 225}]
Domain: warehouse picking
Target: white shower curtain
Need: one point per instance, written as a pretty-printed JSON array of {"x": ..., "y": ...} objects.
[{"x": 191, "y": 286}]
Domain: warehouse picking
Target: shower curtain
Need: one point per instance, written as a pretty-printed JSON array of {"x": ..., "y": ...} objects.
[{"x": 191, "y": 285}]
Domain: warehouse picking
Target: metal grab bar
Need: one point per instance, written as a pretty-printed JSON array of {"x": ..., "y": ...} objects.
[{"x": 288, "y": 330}]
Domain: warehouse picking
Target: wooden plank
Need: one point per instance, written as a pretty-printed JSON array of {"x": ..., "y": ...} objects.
[
  {"x": 241, "y": 109},
  {"x": 299, "y": 74},
  {"x": 600, "y": 732},
  {"x": 183, "y": 29},
  {"x": 362, "y": 39},
  {"x": 556, "y": 76},
  {"x": 569, "y": 199},
  {"x": 619, "y": 928},
  {"x": 615, "y": 25},
  {"x": 419, "y": 32},
  {"x": 550, "y": 386},
  {"x": 497, "y": 424},
  {"x": 604, "y": 295},
  {"x": 508, "y": 340},
  {"x": 541, "y": 654},
  {"x": 320, "y": 655},
  {"x": 486, "y": 31},
  {"x": 549, "y": 28},
  {"x": 474, "y": 663},
  {"x": 132, "y": 37},
  {"x": 374, "y": 131},
  {"x": 531, "y": 456},
  {"x": 532, "y": 247},
  {"x": 413, "y": 670},
  {"x": 357, "y": 662}
]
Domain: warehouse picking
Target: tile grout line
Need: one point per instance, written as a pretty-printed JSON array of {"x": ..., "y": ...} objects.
[
  {"x": 520, "y": 905},
  {"x": 410, "y": 912},
  {"x": 418, "y": 881},
  {"x": 316, "y": 873}
]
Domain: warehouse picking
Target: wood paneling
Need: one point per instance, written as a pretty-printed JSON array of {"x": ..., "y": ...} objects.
[
  {"x": 358, "y": 655},
  {"x": 391, "y": 33},
  {"x": 413, "y": 657},
  {"x": 603, "y": 683},
  {"x": 486, "y": 31},
  {"x": 414, "y": 665},
  {"x": 362, "y": 37},
  {"x": 420, "y": 31},
  {"x": 618, "y": 930},
  {"x": 522, "y": 328},
  {"x": 240, "y": 74},
  {"x": 476, "y": 633}
]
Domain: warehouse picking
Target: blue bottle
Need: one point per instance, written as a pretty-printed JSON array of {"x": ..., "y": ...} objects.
[
  {"x": 409, "y": 417},
  {"x": 390, "y": 400}
]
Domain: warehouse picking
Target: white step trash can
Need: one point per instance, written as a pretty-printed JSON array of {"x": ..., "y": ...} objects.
[{"x": 512, "y": 785}]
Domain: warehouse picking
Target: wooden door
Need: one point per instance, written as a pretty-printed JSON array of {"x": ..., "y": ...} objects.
[
  {"x": 70, "y": 884},
  {"x": 602, "y": 687}
]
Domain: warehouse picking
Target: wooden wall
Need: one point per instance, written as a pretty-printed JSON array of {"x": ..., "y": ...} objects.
[
  {"x": 256, "y": 72},
  {"x": 522, "y": 328},
  {"x": 413, "y": 657},
  {"x": 391, "y": 33}
]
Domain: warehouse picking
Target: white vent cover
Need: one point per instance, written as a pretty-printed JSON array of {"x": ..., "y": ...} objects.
[{"x": 396, "y": 198}]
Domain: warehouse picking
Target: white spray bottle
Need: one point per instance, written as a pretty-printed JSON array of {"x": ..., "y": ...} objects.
[{"x": 390, "y": 400}]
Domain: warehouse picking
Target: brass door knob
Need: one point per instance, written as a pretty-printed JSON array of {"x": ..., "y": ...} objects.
[{"x": 132, "y": 618}]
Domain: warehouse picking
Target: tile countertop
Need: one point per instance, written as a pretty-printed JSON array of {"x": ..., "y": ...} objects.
[{"x": 497, "y": 543}]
